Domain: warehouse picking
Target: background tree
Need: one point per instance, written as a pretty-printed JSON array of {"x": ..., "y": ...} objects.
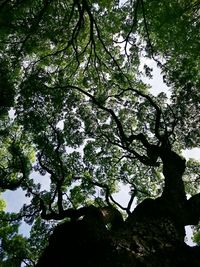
[{"x": 85, "y": 119}]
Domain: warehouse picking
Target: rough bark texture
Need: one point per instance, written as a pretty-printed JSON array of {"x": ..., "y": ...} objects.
[{"x": 152, "y": 236}]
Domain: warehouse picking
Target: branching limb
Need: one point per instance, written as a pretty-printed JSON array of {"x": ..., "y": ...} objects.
[
  {"x": 108, "y": 194},
  {"x": 124, "y": 139},
  {"x": 57, "y": 178}
]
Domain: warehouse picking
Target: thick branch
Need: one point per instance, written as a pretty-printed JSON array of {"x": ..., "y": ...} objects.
[
  {"x": 10, "y": 185},
  {"x": 73, "y": 214},
  {"x": 193, "y": 210},
  {"x": 173, "y": 169},
  {"x": 124, "y": 139}
]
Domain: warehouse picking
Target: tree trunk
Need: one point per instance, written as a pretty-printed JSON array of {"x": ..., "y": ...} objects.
[{"x": 152, "y": 236}]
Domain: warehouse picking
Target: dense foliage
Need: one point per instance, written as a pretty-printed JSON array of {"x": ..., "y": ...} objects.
[{"x": 74, "y": 107}]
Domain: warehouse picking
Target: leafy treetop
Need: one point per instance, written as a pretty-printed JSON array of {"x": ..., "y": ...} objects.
[{"x": 83, "y": 116}]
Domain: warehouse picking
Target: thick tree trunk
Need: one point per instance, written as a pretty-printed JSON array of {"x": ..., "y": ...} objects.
[
  {"x": 152, "y": 236},
  {"x": 89, "y": 244}
]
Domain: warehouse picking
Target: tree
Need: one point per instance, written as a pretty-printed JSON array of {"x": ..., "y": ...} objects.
[{"x": 85, "y": 120}]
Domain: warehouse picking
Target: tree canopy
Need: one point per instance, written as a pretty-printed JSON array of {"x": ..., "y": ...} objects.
[{"x": 74, "y": 109}]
